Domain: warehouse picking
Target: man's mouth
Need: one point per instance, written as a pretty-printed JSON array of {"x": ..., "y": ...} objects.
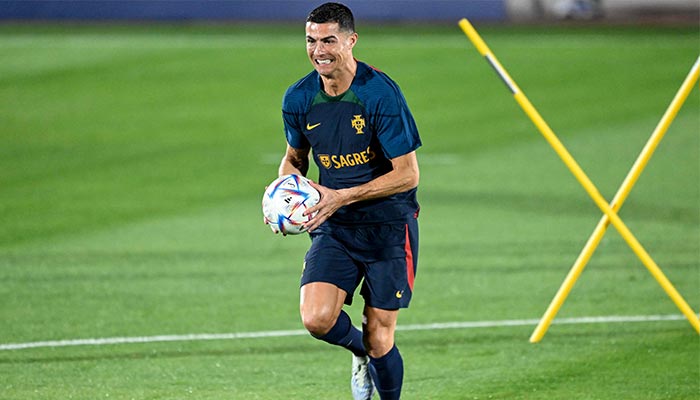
[{"x": 322, "y": 62}]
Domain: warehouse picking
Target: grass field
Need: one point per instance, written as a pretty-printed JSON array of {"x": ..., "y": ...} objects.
[{"x": 133, "y": 160}]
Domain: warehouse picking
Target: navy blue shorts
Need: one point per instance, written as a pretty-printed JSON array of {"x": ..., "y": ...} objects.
[{"x": 385, "y": 255}]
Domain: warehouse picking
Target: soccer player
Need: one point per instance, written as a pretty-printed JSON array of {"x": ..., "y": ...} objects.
[{"x": 364, "y": 139}]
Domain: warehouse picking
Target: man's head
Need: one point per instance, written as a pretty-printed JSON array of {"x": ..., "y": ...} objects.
[
  {"x": 333, "y": 12},
  {"x": 330, "y": 38}
]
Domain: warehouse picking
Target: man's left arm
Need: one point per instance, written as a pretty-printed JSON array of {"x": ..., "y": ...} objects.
[{"x": 404, "y": 176}]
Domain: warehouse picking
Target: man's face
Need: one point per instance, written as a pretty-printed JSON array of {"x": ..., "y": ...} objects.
[{"x": 328, "y": 48}]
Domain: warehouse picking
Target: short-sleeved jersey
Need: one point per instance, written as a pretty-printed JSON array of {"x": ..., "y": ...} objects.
[{"x": 354, "y": 136}]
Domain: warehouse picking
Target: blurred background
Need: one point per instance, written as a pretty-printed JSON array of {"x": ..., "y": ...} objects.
[{"x": 673, "y": 11}]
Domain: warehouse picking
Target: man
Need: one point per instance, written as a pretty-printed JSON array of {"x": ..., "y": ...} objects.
[{"x": 364, "y": 138}]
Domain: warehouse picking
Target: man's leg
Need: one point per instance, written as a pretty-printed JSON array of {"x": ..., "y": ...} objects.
[
  {"x": 322, "y": 313},
  {"x": 386, "y": 363}
]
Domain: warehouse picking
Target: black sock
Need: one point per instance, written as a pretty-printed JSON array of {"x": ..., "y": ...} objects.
[
  {"x": 344, "y": 334},
  {"x": 387, "y": 374}
]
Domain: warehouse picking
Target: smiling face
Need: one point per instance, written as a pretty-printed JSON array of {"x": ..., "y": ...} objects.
[{"x": 330, "y": 49}]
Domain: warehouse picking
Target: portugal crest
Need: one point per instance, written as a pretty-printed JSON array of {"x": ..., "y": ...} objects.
[
  {"x": 325, "y": 160},
  {"x": 358, "y": 123}
]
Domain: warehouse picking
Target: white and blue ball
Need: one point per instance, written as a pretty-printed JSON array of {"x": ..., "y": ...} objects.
[{"x": 285, "y": 201}]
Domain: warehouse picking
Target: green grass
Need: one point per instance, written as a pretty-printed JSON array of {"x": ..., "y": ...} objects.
[{"x": 133, "y": 159}]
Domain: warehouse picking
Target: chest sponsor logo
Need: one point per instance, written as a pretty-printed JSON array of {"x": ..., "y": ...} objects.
[
  {"x": 338, "y": 161},
  {"x": 358, "y": 123}
]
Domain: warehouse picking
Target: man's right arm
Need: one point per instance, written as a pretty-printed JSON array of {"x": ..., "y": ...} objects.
[{"x": 295, "y": 161}]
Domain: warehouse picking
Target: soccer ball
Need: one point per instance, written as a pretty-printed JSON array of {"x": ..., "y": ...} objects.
[{"x": 285, "y": 201}]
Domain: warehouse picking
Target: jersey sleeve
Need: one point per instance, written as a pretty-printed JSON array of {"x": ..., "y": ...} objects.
[
  {"x": 392, "y": 119},
  {"x": 292, "y": 116},
  {"x": 396, "y": 128}
]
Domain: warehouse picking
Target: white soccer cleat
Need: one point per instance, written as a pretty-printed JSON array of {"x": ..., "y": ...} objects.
[{"x": 361, "y": 380}]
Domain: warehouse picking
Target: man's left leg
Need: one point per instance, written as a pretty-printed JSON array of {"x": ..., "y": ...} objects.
[{"x": 386, "y": 363}]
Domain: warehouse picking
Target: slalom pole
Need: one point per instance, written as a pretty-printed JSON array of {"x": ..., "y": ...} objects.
[
  {"x": 617, "y": 202},
  {"x": 578, "y": 173}
]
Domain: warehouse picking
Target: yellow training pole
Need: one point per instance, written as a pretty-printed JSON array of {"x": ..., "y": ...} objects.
[
  {"x": 583, "y": 179},
  {"x": 617, "y": 202}
]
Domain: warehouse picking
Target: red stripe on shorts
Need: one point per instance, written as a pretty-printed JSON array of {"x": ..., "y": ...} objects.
[{"x": 410, "y": 273}]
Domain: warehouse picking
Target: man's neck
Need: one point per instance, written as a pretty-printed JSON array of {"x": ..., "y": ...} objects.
[{"x": 337, "y": 85}]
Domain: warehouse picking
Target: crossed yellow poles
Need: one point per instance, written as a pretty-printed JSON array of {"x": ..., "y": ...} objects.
[{"x": 609, "y": 210}]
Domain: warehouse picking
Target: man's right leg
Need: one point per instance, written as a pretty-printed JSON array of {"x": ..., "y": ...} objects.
[{"x": 322, "y": 314}]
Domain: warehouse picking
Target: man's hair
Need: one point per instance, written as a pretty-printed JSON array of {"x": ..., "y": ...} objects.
[{"x": 333, "y": 12}]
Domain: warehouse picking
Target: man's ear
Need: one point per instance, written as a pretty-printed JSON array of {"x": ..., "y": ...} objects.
[{"x": 352, "y": 39}]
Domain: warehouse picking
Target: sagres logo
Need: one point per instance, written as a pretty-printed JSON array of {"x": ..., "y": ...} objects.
[
  {"x": 338, "y": 161},
  {"x": 358, "y": 123},
  {"x": 325, "y": 160}
]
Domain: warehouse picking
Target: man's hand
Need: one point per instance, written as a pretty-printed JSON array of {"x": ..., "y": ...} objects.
[
  {"x": 403, "y": 176},
  {"x": 331, "y": 201}
]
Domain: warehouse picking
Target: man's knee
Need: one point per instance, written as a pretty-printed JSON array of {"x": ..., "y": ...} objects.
[
  {"x": 379, "y": 327},
  {"x": 320, "y": 305},
  {"x": 378, "y": 342},
  {"x": 318, "y": 321}
]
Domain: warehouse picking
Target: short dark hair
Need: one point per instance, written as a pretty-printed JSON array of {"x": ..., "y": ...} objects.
[{"x": 333, "y": 12}]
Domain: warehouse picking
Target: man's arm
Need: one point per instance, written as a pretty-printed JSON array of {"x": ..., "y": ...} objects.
[
  {"x": 404, "y": 176},
  {"x": 295, "y": 161}
]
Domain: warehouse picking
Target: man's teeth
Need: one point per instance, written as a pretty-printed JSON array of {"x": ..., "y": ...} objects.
[{"x": 323, "y": 62}]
